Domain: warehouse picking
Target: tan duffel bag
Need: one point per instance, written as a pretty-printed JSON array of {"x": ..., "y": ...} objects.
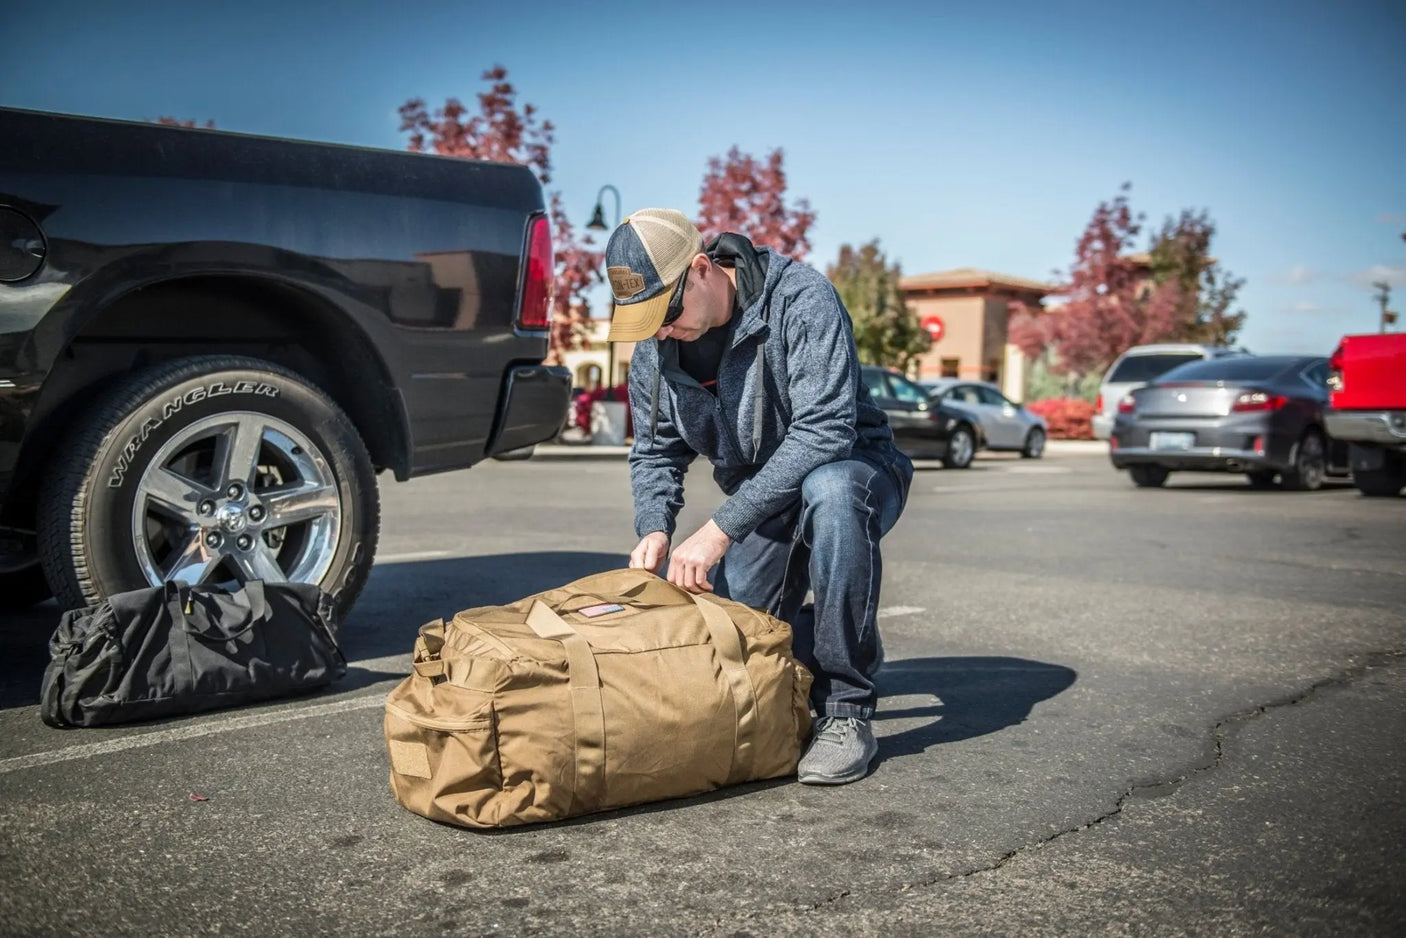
[{"x": 614, "y": 690}]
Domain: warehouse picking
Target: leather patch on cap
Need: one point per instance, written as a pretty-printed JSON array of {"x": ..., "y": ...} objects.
[{"x": 624, "y": 282}]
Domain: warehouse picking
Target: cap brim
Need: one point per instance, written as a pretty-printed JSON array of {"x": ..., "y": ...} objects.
[{"x": 639, "y": 321}]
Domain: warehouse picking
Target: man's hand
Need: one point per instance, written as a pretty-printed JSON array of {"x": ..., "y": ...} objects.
[
  {"x": 696, "y": 556},
  {"x": 650, "y": 553}
]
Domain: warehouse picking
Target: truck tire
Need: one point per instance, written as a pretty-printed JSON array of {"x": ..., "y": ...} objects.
[
  {"x": 1386, "y": 482},
  {"x": 1310, "y": 464},
  {"x": 213, "y": 469}
]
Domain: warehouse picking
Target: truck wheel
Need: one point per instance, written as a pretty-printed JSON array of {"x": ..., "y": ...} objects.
[
  {"x": 1386, "y": 482},
  {"x": 213, "y": 469},
  {"x": 1310, "y": 464},
  {"x": 1148, "y": 477},
  {"x": 961, "y": 448}
]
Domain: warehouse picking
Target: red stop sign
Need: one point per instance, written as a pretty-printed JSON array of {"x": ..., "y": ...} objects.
[{"x": 934, "y": 326}]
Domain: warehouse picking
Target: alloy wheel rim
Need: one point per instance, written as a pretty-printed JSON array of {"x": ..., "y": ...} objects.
[
  {"x": 237, "y": 497},
  {"x": 962, "y": 447}
]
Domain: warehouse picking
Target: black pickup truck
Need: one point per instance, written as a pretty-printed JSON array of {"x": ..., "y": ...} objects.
[{"x": 211, "y": 343}]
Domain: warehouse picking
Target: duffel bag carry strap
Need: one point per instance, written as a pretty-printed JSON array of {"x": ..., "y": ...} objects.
[
  {"x": 585, "y": 692},
  {"x": 587, "y": 711},
  {"x": 744, "y": 694}
]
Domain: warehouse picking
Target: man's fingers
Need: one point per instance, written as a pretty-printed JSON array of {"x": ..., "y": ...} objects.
[{"x": 689, "y": 576}]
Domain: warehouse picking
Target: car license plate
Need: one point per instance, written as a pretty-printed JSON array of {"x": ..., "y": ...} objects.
[{"x": 1172, "y": 440}]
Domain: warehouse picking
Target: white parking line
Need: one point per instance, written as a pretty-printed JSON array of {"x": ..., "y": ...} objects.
[
  {"x": 229, "y": 724},
  {"x": 889, "y": 611},
  {"x": 413, "y": 555},
  {"x": 178, "y": 733}
]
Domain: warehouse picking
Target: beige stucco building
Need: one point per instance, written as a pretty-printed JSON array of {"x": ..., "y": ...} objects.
[
  {"x": 966, "y": 310},
  {"x": 971, "y": 305}
]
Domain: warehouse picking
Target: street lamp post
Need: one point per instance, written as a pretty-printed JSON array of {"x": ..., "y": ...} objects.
[{"x": 597, "y": 223}]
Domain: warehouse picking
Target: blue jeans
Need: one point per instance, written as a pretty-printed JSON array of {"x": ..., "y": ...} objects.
[{"x": 829, "y": 542}]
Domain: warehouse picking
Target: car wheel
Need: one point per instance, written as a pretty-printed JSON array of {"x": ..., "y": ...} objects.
[
  {"x": 22, "y": 584},
  {"x": 1034, "y": 444},
  {"x": 211, "y": 470},
  {"x": 1386, "y": 482},
  {"x": 1148, "y": 477},
  {"x": 961, "y": 448},
  {"x": 1261, "y": 478},
  {"x": 1310, "y": 464}
]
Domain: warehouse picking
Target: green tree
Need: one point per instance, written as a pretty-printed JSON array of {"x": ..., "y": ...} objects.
[
  {"x": 1201, "y": 290},
  {"x": 885, "y": 330}
]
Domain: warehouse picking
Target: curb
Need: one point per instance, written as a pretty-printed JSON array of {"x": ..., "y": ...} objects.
[{"x": 587, "y": 451}]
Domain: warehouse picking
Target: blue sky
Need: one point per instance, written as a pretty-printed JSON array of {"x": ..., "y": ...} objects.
[{"x": 959, "y": 134}]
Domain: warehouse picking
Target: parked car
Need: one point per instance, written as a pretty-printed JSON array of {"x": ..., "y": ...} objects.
[
  {"x": 1262, "y": 416},
  {"x": 211, "y": 343},
  {"x": 1005, "y": 425},
  {"x": 923, "y": 428},
  {"x": 1367, "y": 385},
  {"x": 1139, "y": 365}
]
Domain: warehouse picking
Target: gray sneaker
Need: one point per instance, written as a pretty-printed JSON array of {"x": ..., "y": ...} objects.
[{"x": 840, "y": 751}]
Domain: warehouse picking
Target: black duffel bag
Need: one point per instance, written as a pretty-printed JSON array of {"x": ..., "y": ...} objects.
[{"x": 175, "y": 649}]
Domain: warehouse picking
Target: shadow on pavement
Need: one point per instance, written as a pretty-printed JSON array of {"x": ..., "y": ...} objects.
[
  {"x": 972, "y": 697},
  {"x": 401, "y": 597},
  {"x": 398, "y": 599}
]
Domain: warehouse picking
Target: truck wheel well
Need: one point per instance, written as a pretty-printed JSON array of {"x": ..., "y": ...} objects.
[{"x": 195, "y": 315}]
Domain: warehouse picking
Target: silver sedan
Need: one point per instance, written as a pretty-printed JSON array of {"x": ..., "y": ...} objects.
[{"x": 1005, "y": 424}]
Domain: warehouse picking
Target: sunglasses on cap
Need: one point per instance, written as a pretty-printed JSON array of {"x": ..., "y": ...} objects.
[{"x": 675, "y": 308}]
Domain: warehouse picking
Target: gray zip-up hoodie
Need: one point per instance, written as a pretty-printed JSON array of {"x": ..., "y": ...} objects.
[{"x": 789, "y": 400}]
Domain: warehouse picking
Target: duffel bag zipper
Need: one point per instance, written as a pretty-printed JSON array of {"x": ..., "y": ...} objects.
[{"x": 434, "y": 724}]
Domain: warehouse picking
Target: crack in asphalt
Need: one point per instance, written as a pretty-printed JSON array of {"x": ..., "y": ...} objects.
[{"x": 1223, "y": 730}]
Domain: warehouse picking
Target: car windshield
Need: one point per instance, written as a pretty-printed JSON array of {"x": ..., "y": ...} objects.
[
  {"x": 1144, "y": 368},
  {"x": 1231, "y": 369},
  {"x": 907, "y": 391}
]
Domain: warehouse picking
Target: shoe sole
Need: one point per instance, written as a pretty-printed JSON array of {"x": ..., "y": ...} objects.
[{"x": 815, "y": 778}]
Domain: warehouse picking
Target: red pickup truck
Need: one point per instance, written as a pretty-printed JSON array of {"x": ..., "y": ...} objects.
[{"x": 1367, "y": 408}]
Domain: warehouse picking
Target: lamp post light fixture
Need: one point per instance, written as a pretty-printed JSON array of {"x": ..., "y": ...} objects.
[{"x": 597, "y": 222}]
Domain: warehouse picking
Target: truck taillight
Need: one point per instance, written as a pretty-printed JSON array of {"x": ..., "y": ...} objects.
[
  {"x": 1252, "y": 401},
  {"x": 1098, "y": 405},
  {"x": 1335, "y": 369},
  {"x": 536, "y": 309}
]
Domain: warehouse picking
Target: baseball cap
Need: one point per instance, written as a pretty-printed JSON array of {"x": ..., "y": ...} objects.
[{"x": 644, "y": 260}]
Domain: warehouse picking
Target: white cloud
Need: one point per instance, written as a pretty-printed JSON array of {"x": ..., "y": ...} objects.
[
  {"x": 1300, "y": 275},
  {"x": 1396, "y": 276}
]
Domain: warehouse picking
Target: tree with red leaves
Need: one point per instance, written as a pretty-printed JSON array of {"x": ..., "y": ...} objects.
[
  {"x": 1176, "y": 292},
  {"x": 1111, "y": 304},
  {"x": 502, "y": 133},
  {"x": 747, "y": 196}
]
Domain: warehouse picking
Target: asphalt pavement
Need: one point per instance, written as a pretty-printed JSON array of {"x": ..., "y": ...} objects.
[{"x": 1105, "y": 710}]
